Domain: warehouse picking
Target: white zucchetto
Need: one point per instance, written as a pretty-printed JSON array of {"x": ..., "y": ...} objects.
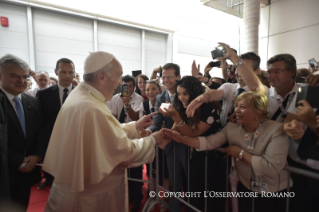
[{"x": 96, "y": 60}]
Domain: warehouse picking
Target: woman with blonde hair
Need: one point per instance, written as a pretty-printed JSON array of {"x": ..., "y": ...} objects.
[{"x": 260, "y": 146}]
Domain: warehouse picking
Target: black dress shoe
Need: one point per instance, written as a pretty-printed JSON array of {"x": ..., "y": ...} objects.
[{"x": 43, "y": 185}]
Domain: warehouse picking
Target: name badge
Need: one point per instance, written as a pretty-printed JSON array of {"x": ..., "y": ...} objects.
[{"x": 258, "y": 186}]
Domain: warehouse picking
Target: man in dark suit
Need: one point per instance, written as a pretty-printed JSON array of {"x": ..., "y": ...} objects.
[
  {"x": 4, "y": 174},
  {"x": 171, "y": 73},
  {"x": 24, "y": 129},
  {"x": 51, "y": 100}
]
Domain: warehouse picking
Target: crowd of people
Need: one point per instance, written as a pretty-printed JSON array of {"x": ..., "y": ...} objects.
[{"x": 91, "y": 138}]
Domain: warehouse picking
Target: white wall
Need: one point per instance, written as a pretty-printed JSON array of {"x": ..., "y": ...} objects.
[
  {"x": 200, "y": 28},
  {"x": 293, "y": 28},
  {"x": 197, "y": 29},
  {"x": 14, "y": 39},
  {"x": 123, "y": 42},
  {"x": 155, "y": 51},
  {"x": 59, "y": 35}
]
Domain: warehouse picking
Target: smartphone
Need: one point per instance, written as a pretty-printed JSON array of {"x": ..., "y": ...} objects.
[
  {"x": 308, "y": 93},
  {"x": 313, "y": 63},
  {"x": 161, "y": 72},
  {"x": 165, "y": 105},
  {"x": 124, "y": 91},
  {"x": 215, "y": 64}
]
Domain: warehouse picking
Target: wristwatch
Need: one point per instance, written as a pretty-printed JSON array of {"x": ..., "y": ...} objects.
[
  {"x": 239, "y": 63},
  {"x": 241, "y": 154}
]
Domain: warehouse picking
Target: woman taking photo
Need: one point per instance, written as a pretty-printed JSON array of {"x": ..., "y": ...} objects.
[
  {"x": 261, "y": 147},
  {"x": 140, "y": 85},
  {"x": 205, "y": 122}
]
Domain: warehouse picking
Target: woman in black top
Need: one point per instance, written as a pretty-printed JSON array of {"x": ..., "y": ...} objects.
[{"x": 204, "y": 122}]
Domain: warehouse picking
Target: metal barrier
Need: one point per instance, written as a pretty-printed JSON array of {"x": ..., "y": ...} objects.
[{"x": 147, "y": 207}]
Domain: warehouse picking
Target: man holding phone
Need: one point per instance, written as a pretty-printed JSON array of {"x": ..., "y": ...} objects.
[{"x": 127, "y": 106}]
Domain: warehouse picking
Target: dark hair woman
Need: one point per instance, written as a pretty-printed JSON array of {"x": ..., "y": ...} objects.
[{"x": 204, "y": 122}]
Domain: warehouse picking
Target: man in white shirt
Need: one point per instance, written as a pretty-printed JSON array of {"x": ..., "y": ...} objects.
[
  {"x": 127, "y": 108},
  {"x": 43, "y": 79},
  {"x": 281, "y": 107},
  {"x": 246, "y": 73}
]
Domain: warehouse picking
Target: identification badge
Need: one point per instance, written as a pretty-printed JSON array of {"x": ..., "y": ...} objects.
[{"x": 258, "y": 186}]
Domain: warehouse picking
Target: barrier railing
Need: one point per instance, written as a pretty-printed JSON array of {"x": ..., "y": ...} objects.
[{"x": 148, "y": 207}]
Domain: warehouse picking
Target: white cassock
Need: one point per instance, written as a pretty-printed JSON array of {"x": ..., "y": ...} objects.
[{"x": 88, "y": 154}]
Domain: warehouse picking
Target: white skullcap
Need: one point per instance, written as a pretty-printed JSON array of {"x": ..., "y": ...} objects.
[{"x": 97, "y": 60}]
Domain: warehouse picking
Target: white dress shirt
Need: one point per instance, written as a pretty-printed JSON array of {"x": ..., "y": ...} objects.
[
  {"x": 116, "y": 104},
  {"x": 10, "y": 97},
  {"x": 61, "y": 92}
]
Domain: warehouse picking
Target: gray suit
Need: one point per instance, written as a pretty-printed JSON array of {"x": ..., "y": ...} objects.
[{"x": 180, "y": 153}]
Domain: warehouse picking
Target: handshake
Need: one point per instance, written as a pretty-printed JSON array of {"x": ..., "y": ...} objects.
[{"x": 160, "y": 137}]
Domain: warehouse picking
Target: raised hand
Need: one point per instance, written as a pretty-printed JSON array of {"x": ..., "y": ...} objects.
[
  {"x": 306, "y": 114},
  {"x": 196, "y": 103},
  {"x": 202, "y": 78},
  {"x": 195, "y": 70},
  {"x": 229, "y": 54},
  {"x": 207, "y": 69},
  {"x": 145, "y": 121},
  {"x": 170, "y": 111},
  {"x": 313, "y": 80}
]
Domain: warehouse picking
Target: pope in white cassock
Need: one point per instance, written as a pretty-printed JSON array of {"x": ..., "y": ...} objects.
[{"x": 89, "y": 149}]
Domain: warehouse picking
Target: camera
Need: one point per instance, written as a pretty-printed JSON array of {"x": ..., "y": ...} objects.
[{"x": 219, "y": 52}]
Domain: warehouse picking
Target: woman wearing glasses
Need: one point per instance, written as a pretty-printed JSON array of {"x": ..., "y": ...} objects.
[
  {"x": 204, "y": 123},
  {"x": 261, "y": 148}
]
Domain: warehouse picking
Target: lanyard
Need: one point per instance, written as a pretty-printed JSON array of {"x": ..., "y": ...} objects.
[
  {"x": 235, "y": 94},
  {"x": 250, "y": 145},
  {"x": 284, "y": 110}
]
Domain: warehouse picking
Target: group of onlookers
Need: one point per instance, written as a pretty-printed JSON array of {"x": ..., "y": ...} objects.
[{"x": 249, "y": 114}]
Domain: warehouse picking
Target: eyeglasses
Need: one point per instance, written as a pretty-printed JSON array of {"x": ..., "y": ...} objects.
[
  {"x": 276, "y": 72},
  {"x": 167, "y": 77}
]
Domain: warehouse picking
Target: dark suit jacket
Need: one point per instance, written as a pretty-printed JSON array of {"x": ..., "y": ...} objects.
[
  {"x": 159, "y": 118},
  {"x": 50, "y": 104},
  {"x": 308, "y": 147},
  {"x": 4, "y": 174},
  {"x": 19, "y": 145}
]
